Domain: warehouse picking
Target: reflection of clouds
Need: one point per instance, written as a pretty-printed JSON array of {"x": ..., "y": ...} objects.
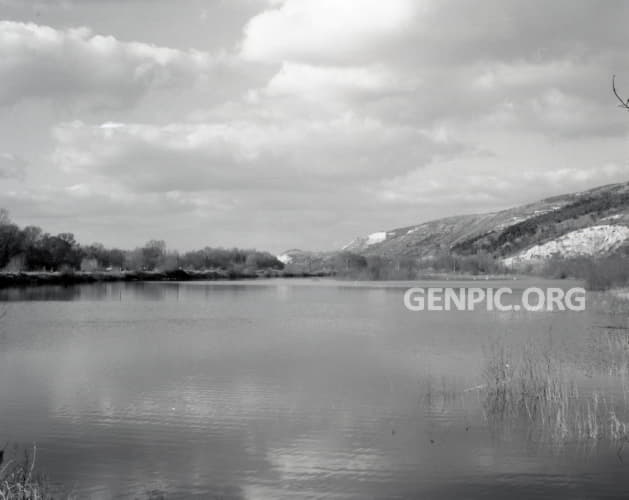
[
  {"x": 42, "y": 292},
  {"x": 214, "y": 394},
  {"x": 318, "y": 457}
]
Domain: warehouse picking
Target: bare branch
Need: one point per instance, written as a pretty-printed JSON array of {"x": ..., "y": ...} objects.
[{"x": 623, "y": 103}]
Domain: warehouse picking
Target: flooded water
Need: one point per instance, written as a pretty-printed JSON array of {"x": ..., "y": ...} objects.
[{"x": 282, "y": 389}]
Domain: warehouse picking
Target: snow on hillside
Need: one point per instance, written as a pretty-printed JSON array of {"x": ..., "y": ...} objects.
[
  {"x": 285, "y": 258},
  {"x": 364, "y": 242},
  {"x": 374, "y": 238},
  {"x": 587, "y": 241}
]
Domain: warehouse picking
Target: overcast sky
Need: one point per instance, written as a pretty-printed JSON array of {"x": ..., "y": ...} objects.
[{"x": 301, "y": 123}]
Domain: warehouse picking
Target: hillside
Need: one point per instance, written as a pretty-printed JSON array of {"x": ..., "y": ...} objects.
[
  {"x": 305, "y": 262},
  {"x": 584, "y": 223}
]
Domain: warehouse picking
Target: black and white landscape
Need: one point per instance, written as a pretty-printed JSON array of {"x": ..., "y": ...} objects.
[{"x": 212, "y": 214}]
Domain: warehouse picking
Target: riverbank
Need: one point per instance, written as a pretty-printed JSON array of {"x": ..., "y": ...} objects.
[
  {"x": 436, "y": 276},
  {"x": 32, "y": 278},
  {"x": 28, "y": 278}
]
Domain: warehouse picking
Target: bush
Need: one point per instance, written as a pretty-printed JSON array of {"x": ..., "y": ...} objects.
[{"x": 599, "y": 273}]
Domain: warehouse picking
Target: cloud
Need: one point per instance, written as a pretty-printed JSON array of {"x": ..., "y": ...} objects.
[
  {"x": 433, "y": 33},
  {"x": 76, "y": 64},
  {"x": 12, "y": 166},
  {"x": 480, "y": 186},
  {"x": 558, "y": 114},
  {"x": 102, "y": 198},
  {"x": 423, "y": 63},
  {"x": 330, "y": 82},
  {"x": 295, "y": 154},
  {"x": 387, "y": 112},
  {"x": 324, "y": 30}
]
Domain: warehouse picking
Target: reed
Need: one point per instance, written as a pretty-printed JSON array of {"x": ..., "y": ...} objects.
[
  {"x": 17, "y": 481},
  {"x": 533, "y": 389}
]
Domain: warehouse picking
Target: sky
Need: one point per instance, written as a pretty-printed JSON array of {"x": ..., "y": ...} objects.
[{"x": 280, "y": 124}]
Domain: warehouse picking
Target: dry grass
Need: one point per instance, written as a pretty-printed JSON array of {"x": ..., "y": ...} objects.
[
  {"x": 17, "y": 481},
  {"x": 533, "y": 389}
]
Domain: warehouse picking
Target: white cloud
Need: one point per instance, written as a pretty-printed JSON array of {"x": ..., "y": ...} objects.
[
  {"x": 524, "y": 73},
  {"x": 76, "y": 64},
  {"x": 100, "y": 197},
  {"x": 325, "y": 30},
  {"x": 321, "y": 82},
  {"x": 478, "y": 184},
  {"x": 239, "y": 154}
]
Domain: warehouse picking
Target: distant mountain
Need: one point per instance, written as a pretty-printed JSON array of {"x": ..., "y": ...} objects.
[{"x": 584, "y": 223}]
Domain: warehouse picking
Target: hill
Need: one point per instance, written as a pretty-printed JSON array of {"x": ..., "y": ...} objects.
[{"x": 592, "y": 222}]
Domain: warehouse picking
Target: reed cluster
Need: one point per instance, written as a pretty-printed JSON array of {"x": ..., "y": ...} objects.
[
  {"x": 17, "y": 481},
  {"x": 534, "y": 390}
]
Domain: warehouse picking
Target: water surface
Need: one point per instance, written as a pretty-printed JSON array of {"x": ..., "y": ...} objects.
[{"x": 279, "y": 389}]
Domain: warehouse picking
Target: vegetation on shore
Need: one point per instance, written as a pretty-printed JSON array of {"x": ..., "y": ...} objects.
[
  {"x": 29, "y": 249},
  {"x": 350, "y": 265},
  {"x": 599, "y": 273},
  {"x": 532, "y": 388},
  {"x": 18, "y": 481},
  {"x": 67, "y": 277}
]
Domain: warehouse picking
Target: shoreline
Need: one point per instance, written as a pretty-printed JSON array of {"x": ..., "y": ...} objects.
[
  {"x": 37, "y": 278},
  {"x": 34, "y": 278}
]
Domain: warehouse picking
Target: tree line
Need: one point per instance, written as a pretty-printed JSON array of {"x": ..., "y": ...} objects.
[
  {"x": 31, "y": 249},
  {"x": 350, "y": 265}
]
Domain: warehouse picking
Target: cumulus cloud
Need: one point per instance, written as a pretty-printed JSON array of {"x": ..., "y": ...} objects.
[
  {"x": 557, "y": 114},
  {"x": 74, "y": 64},
  {"x": 107, "y": 198},
  {"x": 299, "y": 154},
  {"x": 331, "y": 82},
  {"x": 421, "y": 63},
  {"x": 325, "y": 30},
  {"x": 481, "y": 186}
]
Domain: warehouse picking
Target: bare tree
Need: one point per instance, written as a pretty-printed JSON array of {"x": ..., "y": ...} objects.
[{"x": 623, "y": 103}]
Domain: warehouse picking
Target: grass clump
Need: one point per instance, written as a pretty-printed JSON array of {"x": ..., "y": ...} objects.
[
  {"x": 533, "y": 389},
  {"x": 17, "y": 481}
]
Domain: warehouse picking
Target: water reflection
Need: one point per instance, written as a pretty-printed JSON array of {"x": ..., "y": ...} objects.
[
  {"x": 284, "y": 390},
  {"x": 44, "y": 293}
]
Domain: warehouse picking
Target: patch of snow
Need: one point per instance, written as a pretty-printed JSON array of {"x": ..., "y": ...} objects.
[
  {"x": 374, "y": 238},
  {"x": 587, "y": 241},
  {"x": 411, "y": 231},
  {"x": 285, "y": 258},
  {"x": 363, "y": 242}
]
